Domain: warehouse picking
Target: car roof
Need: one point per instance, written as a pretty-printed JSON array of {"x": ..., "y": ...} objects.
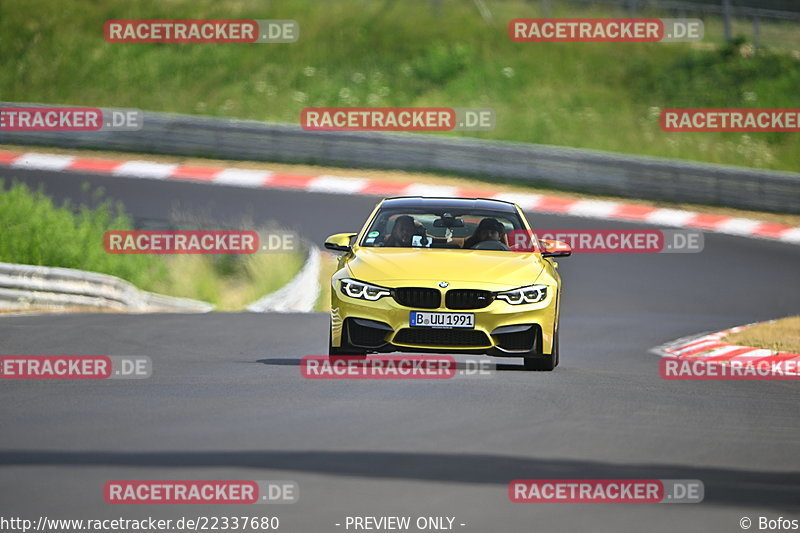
[{"x": 401, "y": 202}]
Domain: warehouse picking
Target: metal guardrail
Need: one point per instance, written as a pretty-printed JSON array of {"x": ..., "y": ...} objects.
[
  {"x": 721, "y": 7},
  {"x": 562, "y": 168},
  {"x": 29, "y": 287}
]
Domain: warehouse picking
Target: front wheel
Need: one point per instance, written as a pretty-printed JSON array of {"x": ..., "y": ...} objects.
[{"x": 543, "y": 363}]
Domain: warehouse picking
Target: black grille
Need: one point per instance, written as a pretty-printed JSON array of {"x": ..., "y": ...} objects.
[
  {"x": 418, "y": 297},
  {"x": 467, "y": 299},
  {"x": 517, "y": 341},
  {"x": 363, "y": 336},
  {"x": 441, "y": 337}
]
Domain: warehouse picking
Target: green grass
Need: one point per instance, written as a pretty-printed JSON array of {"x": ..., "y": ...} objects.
[
  {"x": 353, "y": 52},
  {"x": 35, "y": 231},
  {"x": 229, "y": 282}
]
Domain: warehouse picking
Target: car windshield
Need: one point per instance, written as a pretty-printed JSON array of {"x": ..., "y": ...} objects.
[{"x": 442, "y": 228}]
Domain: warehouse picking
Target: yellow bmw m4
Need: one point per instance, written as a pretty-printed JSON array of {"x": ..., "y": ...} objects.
[{"x": 444, "y": 275}]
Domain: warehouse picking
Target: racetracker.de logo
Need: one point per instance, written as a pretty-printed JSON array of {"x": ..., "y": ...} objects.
[
  {"x": 70, "y": 119},
  {"x": 394, "y": 367},
  {"x": 201, "y": 31},
  {"x": 617, "y": 241},
  {"x": 607, "y": 30},
  {"x": 731, "y": 120},
  {"x": 396, "y": 119},
  {"x": 762, "y": 368},
  {"x": 74, "y": 367},
  {"x": 364, "y": 367},
  {"x": 200, "y": 492},
  {"x": 182, "y": 242},
  {"x": 606, "y": 491}
]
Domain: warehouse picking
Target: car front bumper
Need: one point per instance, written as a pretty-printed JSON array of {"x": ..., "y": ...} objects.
[{"x": 501, "y": 329}]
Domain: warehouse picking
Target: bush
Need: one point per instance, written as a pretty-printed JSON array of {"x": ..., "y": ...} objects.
[{"x": 37, "y": 232}]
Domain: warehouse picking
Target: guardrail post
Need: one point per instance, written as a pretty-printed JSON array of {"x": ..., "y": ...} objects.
[
  {"x": 726, "y": 19},
  {"x": 756, "y": 32},
  {"x": 546, "y": 9}
]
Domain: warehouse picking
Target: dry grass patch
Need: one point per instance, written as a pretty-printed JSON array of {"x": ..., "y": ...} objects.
[{"x": 782, "y": 335}]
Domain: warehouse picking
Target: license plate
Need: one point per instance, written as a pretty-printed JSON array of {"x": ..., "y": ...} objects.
[{"x": 442, "y": 320}]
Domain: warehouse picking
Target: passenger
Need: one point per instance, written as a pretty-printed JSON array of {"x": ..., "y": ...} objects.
[
  {"x": 489, "y": 229},
  {"x": 402, "y": 232}
]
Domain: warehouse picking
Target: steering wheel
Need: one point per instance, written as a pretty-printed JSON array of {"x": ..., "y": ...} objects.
[{"x": 491, "y": 245}]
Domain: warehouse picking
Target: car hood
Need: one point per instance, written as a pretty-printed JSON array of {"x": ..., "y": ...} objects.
[{"x": 399, "y": 266}]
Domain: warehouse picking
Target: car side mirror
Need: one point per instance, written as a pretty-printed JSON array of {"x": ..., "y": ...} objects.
[
  {"x": 552, "y": 248},
  {"x": 339, "y": 242}
]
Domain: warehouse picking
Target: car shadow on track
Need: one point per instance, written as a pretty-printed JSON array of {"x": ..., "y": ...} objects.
[
  {"x": 500, "y": 367},
  {"x": 723, "y": 486}
]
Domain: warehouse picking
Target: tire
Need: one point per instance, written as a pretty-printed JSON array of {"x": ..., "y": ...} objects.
[
  {"x": 345, "y": 348},
  {"x": 543, "y": 363}
]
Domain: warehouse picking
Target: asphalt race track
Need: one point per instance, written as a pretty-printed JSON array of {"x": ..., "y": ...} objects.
[{"x": 226, "y": 400}]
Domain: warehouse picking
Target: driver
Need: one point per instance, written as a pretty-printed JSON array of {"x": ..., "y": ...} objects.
[
  {"x": 402, "y": 232},
  {"x": 489, "y": 229}
]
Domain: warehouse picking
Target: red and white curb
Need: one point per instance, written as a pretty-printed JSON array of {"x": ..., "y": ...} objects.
[
  {"x": 711, "y": 348},
  {"x": 351, "y": 185}
]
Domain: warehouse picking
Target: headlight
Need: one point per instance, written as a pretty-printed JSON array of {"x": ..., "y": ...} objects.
[
  {"x": 524, "y": 295},
  {"x": 363, "y": 291}
]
